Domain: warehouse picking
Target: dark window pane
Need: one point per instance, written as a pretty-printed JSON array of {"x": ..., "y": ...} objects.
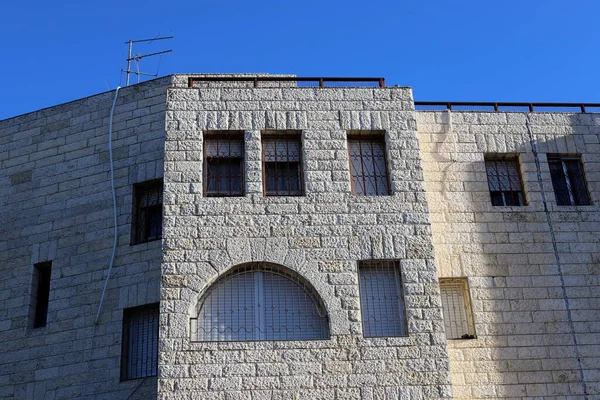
[
  {"x": 148, "y": 211},
  {"x": 568, "y": 181},
  {"x": 282, "y": 166},
  {"x": 368, "y": 167},
  {"x": 504, "y": 182},
  {"x": 224, "y": 166},
  {"x": 41, "y": 291},
  {"x": 139, "y": 354}
]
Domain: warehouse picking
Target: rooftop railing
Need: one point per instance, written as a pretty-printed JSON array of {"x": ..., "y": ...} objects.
[
  {"x": 293, "y": 81},
  {"x": 507, "y": 106}
]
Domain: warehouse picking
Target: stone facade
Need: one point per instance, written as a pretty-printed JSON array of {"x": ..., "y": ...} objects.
[{"x": 532, "y": 270}]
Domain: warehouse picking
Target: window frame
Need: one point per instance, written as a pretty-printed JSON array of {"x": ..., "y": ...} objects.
[
  {"x": 139, "y": 189},
  {"x": 521, "y": 194},
  {"x": 233, "y": 135},
  {"x": 574, "y": 195},
  {"x": 152, "y": 309},
  {"x": 469, "y": 317},
  {"x": 402, "y": 315},
  {"x": 287, "y": 136},
  {"x": 368, "y": 137}
]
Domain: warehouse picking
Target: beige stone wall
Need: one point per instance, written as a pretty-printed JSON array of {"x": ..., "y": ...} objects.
[{"x": 533, "y": 274}]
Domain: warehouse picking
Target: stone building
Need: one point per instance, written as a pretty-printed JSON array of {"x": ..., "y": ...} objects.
[{"x": 276, "y": 240}]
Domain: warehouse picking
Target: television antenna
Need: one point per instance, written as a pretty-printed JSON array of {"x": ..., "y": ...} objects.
[{"x": 137, "y": 57}]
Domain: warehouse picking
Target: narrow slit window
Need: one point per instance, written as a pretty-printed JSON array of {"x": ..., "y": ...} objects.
[
  {"x": 456, "y": 304},
  {"x": 504, "y": 181},
  {"x": 368, "y": 165},
  {"x": 224, "y": 164},
  {"x": 148, "y": 199},
  {"x": 139, "y": 354},
  {"x": 381, "y": 300},
  {"x": 41, "y": 293},
  {"x": 282, "y": 165},
  {"x": 568, "y": 181}
]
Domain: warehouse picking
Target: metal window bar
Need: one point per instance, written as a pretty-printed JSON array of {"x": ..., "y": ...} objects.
[
  {"x": 508, "y": 106},
  {"x": 458, "y": 318},
  {"x": 224, "y": 165},
  {"x": 140, "y": 342},
  {"x": 381, "y": 299},
  {"x": 282, "y": 166},
  {"x": 568, "y": 181},
  {"x": 41, "y": 293},
  {"x": 149, "y": 197},
  {"x": 368, "y": 166},
  {"x": 504, "y": 182},
  {"x": 260, "y": 302}
]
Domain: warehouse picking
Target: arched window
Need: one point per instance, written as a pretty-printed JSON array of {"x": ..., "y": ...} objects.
[{"x": 260, "y": 302}]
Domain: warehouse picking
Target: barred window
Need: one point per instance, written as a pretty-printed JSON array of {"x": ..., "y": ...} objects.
[
  {"x": 504, "y": 181},
  {"x": 381, "y": 299},
  {"x": 282, "y": 165},
  {"x": 40, "y": 293},
  {"x": 568, "y": 181},
  {"x": 224, "y": 163},
  {"x": 456, "y": 304},
  {"x": 147, "y": 211},
  {"x": 368, "y": 165},
  {"x": 139, "y": 353},
  {"x": 260, "y": 301}
]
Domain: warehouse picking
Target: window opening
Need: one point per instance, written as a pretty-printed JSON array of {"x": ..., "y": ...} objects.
[
  {"x": 504, "y": 182},
  {"x": 282, "y": 165},
  {"x": 368, "y": 165},
  {"x": 41, "y": 293},
  {"x": 148, "y": 211},
  {"x": 456, "y": 304},
  {"x": 139, "y": 354},
  {"x": 381, "y": 299},
  {"x": 224, "y": 164},
  {"x": 568, "y": 181}
]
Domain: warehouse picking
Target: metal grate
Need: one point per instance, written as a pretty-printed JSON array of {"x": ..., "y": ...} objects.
[
  {"x": 381, "y": 300},
  {"x": 457, "y": 311},
  {"x": 282, "y": 166},
  {"x": 260, "y": 302},
  {"x": 568, "y": 181},
  {"x": 224, "y": 164},
  {"x": 148, "y": 212},
  {"x": 139, "y": 354},
  {"x": 368, "y": 166},
  {"x": 504, "y": 182}
]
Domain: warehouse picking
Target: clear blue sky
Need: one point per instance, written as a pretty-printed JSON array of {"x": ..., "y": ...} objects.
[{"x": 472, "y": 50}]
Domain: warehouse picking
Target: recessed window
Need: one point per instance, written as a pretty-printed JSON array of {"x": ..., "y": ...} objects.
[
  {"x": 40, "y": 293},
  {"x": 139, "y": 353},
  {"x": 282, "y": 164},
  {"x": 456, "y": 304},
  {"x": 504, "y": 181},
  {"x": 568, "y": 181},
  {"x": 260, "y": 302},
  {"x": 224, "y": 163},
  {"x": 381, "y": 300},
  {"x": 368, "y": 165},
  {"x": 147, "y": 212}
]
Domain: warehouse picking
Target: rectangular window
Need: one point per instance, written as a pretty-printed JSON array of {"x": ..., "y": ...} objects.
[
  {"x": 368, "y": 165},
  {"x": 568, "y": 181},
  {"x": 224, "y": 164},
  {"x": 41, "y": 293},
  {"x": 504, "y": 181},
  {"x": 147, "y": 212},
  {"x": 139, "y": 352},
  {"x": 381, "y": 300},
  {"x": 282, "y": 165},
  {"x": 456, "y": 304}
]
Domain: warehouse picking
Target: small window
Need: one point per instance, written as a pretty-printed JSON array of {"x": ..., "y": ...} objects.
[
  {"x": 504, "y": 181},
  {"x": 260, "y": 302},
  {"x": 458, "y": 317},
  {"x": 147, "y": 218},
  {"x": 568, "y": 181},
  {"x": 368, "y": 165},
  {"x": 139, "y": 352},
  {"x": 381, "y": 300},
  {"x": 40, "y": 293},
  {"x": 282, "y": 165},
  {"x": 224, "y": 164}
]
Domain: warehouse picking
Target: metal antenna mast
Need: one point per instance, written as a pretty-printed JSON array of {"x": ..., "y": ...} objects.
[{"x": 137, "y": 57}]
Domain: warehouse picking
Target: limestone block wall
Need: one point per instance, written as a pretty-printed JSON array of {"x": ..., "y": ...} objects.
[
  {"x": 56, "y": 205},
  {"x": 532, "y": 270},
  {"x": 321, "y": 236}
]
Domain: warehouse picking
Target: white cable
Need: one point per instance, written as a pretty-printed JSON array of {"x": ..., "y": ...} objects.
[{"x": 114, "y": 198}]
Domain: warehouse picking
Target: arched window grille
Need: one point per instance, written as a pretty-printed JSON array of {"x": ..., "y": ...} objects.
[{"x": 260, "y": 302}]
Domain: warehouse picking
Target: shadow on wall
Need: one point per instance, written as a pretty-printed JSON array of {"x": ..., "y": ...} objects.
[{"x": 532, "y": 269}]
